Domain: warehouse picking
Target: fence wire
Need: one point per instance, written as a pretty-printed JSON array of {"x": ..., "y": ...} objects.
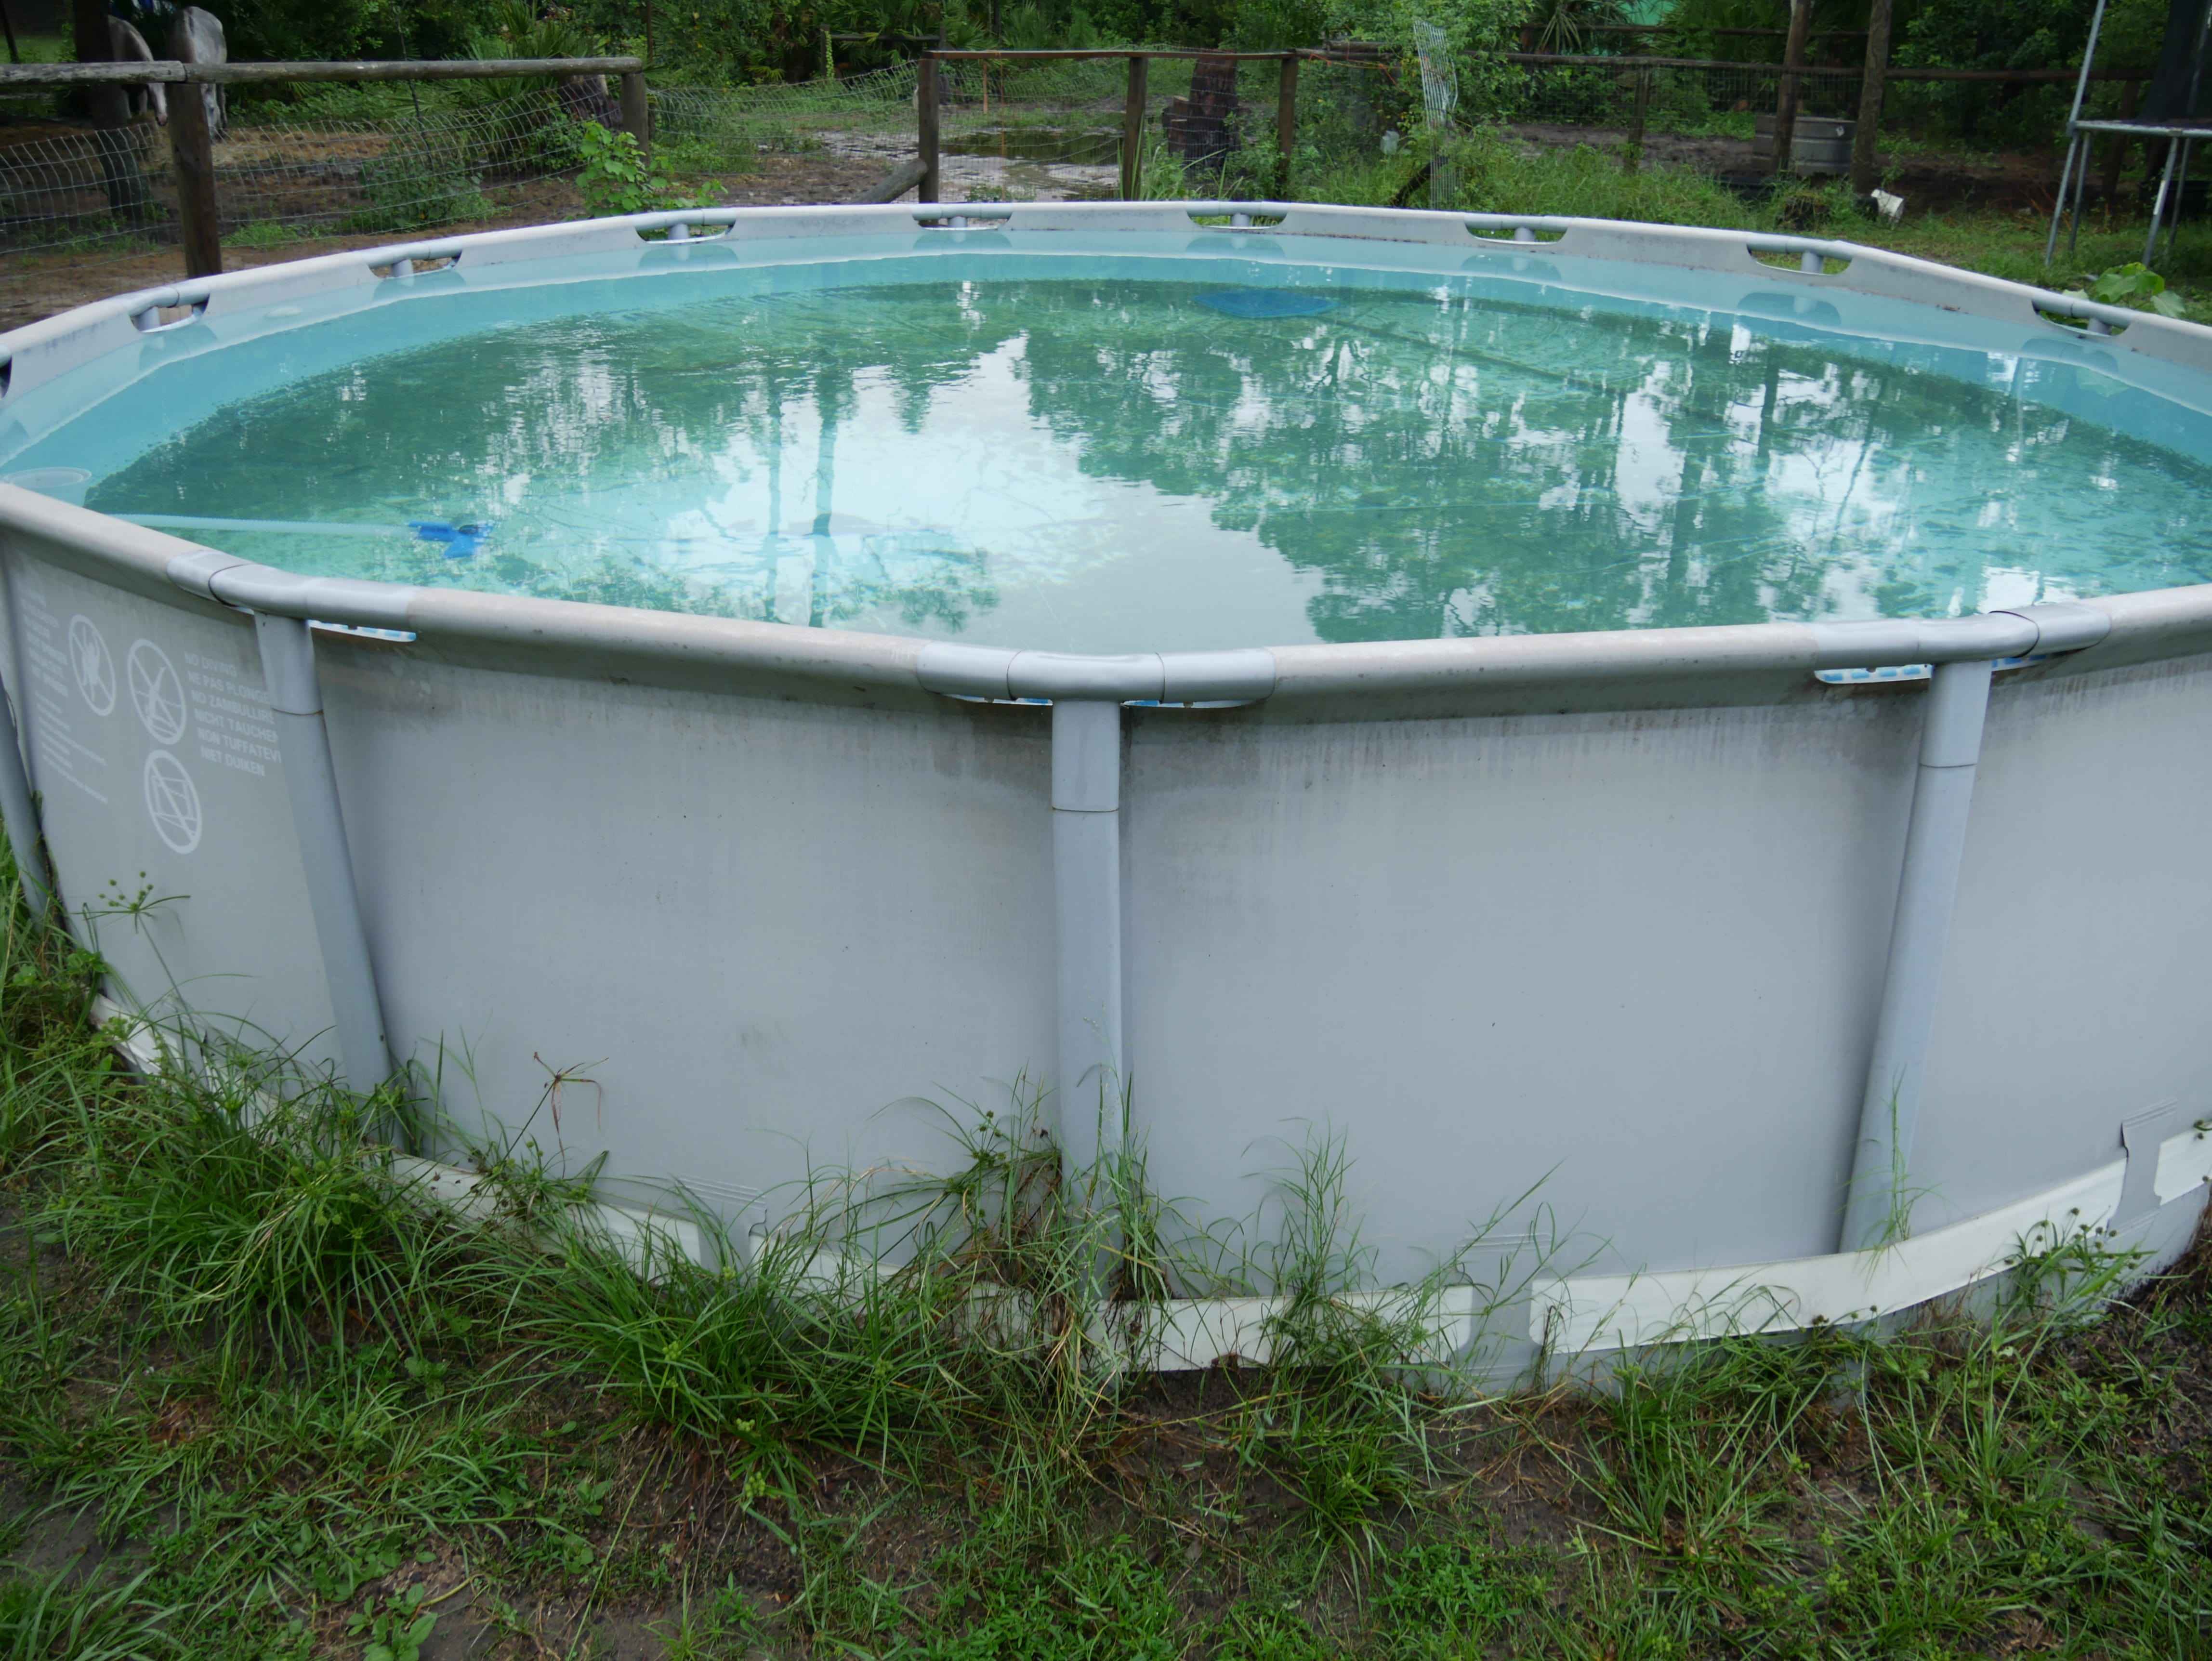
[
  {"x": 1010, "y": 130},
  {"x": 96, "y": 193},
  {"x": 279, "y": 175},
  {"x": 1726, "y": 100}
]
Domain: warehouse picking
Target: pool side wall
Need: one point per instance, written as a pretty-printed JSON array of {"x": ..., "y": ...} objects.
[
  {"x": 1628, "y": 959},
  {"x": 737, "y": 902}
]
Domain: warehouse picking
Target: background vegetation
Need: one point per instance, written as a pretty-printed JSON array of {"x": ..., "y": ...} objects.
[{"x": 768, "y": 39}]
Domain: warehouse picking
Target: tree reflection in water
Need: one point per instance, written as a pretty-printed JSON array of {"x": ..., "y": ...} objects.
[{"x": 1451, "y": 461}]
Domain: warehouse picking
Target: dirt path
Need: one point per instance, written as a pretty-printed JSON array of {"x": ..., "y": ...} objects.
[{"x": 32, "y": 288}]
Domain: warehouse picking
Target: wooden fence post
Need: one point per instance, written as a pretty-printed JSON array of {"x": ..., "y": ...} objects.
[
  {"x": 925, "y": 106},
  {"x": 637, "y": 114},
  {"x": 1870, "y": 96},
  {"x": 1286, "y": 124},
  {"x": 192, "y": 155},
  {"x": 1133, "y": 130},
  {"x": 1785, "y": 104}
]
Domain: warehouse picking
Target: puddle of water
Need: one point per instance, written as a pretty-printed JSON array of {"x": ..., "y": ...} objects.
[
  {"x": 1023, "y": 164},
  {"x": 1081, "y": 147}
]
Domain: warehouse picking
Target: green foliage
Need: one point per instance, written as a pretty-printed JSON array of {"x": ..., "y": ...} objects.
[
  {"x": 261, "y": 234},
  {"x": 583, "y": 1426},
  {"x": 394, "y": 1629},
  {"x": 2134, "y": 285},
  {"x": 1498, "y": 176},
  {"x": 268, "y": 30},
  {"x": 1103, "y": 1603},
  {"x": 615, "y": 178},
  {"x": 1965, "y": 35},
  {"x": 254, "y": 1204},
  {"x": 1473, "y": 26},
  {"x": 1458, "y": 1596},
  {"x": 521, "y": 28},
  {"x": 424, "y": 178},
  {"x": 51, "y": 1618}
]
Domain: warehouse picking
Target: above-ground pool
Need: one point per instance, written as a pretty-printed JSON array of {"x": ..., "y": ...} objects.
[{"x": 1685, "y": 753}]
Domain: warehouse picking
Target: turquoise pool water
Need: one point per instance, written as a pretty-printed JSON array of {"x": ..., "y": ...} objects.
[{"x": 1113, "y": 464}]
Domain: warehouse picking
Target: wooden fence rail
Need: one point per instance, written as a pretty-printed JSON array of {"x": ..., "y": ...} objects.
[
  {"x": 199, "y": 210},
  {"x": 442, "y": 69}
]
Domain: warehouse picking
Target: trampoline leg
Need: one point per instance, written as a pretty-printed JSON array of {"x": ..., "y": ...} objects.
[
  {"x": 2058, "y": 206},
  {"x": 2158, "y": 202},
  {"x": 2081, "y": 190},
  {"x": 2181, "y": 190}
]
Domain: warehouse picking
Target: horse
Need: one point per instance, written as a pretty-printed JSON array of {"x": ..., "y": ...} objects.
[
  {"x": 126, "y": 45},
  {"x": 195, "y": 37}
]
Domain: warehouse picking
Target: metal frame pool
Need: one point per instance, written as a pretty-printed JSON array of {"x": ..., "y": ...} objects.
[{"x": 1702, "y": 948}]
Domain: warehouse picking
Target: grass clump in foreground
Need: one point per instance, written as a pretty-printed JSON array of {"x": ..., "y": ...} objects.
[{"x": 257, "y": 1398}]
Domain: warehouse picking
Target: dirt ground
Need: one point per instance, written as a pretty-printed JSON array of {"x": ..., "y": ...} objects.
[{"x": 32, "y": 288}]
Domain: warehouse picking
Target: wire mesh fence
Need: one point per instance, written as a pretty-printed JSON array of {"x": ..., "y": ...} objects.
[
  {"x": 1010, "y": 128},
  {"x": 277, "y": 175},
  {"x": 716, "y": 123},
  {"x": 2026, "y": 112},
  {"x": 89, "y": 193},
  {"x": 430, "y": 168},
  {"x": 1014, "y": 129}
]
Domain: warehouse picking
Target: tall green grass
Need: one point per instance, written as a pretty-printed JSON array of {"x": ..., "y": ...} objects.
[{"x": 908, "y": 1420}]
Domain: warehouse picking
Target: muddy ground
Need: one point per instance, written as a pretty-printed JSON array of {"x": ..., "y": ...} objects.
[{"x": 32, "y": 287}]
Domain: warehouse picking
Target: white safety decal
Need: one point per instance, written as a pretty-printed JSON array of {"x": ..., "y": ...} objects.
[
  {"x": 155, "y": 692},
  {"x": 173, "y": 801},
  {"x": 95, "y": 669}
]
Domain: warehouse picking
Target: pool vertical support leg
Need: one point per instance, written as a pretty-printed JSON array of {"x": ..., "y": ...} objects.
[
  {"x": 295, "y": 702},
  {"x": 1879, "y": 1201},
  {"x": 19, "y": 808},
  {"x": 1086, "y": 866}
]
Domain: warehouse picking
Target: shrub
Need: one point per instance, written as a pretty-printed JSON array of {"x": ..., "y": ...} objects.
[
  {"x": 615, "y": 178},
  {"x": 418, "y": 183}
]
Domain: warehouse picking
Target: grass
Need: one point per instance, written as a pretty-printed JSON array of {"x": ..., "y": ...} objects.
[
  {"x": 295, "y": 1410},
  {"x": 1497, "y": 176},
  {"x": 44, "y": 48}
]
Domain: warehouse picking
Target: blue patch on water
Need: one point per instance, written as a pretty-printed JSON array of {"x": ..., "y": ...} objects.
[
  {"x": 1265, "y": 302},
  {"x": 461, "y": 540}
]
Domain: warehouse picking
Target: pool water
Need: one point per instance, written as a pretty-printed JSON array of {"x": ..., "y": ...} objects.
[{"x": 1114, "y": 465}]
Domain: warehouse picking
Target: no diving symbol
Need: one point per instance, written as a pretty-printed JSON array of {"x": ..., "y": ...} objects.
[
  {"x": 155, "y": 692},
  {"x": 173, "y": 802},
  {"x": 95, "y": 669}
]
